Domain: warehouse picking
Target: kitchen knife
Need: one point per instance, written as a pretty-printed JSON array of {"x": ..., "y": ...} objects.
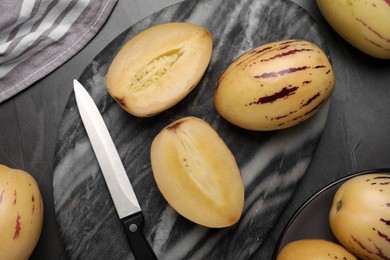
[{"x": 118, "y": 183}]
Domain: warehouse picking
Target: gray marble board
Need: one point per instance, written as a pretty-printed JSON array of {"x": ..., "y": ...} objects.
[{"x": 271, "y": 163}]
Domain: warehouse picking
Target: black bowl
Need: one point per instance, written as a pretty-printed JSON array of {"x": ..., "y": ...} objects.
[{"x": 312, "y": 219}]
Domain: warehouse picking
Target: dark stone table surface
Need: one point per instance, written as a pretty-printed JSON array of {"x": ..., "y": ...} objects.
[{"x": 355, "y": 137}]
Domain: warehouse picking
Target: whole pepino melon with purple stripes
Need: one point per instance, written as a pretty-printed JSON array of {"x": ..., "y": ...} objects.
[
  {"x": 364, "y": 24},
  {"x": 360, "y": 216},
  {"x": 275, "y": 86}
]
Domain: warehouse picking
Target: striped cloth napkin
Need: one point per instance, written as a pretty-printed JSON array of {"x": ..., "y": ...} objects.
[{"x": 37, "y": 36}]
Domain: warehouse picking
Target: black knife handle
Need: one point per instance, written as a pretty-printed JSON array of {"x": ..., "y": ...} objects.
[{"x": 141, "y": 248}]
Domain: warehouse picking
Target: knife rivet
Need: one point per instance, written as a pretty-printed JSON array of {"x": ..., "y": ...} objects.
[{"x": 133, "y": 227}]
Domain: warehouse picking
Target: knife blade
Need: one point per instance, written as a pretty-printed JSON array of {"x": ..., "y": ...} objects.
[{"x": 119, "y": 186}]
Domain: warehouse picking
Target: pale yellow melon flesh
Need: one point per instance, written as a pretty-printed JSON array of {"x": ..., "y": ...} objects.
[
  {"x": 158, "y": 67},
  {"x": 197, "y": 173}
]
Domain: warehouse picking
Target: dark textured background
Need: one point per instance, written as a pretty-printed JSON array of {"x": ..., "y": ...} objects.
[{"x": 355, "y": 138}]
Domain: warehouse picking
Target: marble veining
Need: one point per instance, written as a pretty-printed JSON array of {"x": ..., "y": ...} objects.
[{"x": 271, "y": 163}]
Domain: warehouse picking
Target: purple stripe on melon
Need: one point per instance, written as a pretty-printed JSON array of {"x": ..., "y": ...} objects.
[
  {"x": 279, "y": 117},
  {"x": 288, "y": 42},
  {"x": 379, "y": 251},
  {"x": 17, "y": 227},
  {"x": 281, "y": 72},
  {"x": 383, "y": 183},
  {"x": 284, "y": 116},
  {"x": 296, "y": 118},
  {"x": 283, "y": 47},
  {"x": 387, "y": 2},
  {"x": 261, "y": 50},
  {"x": 315, "y": 108},
  {"x": 253, "y": 54},
  {"x": 284, "y": 54},
  {"x": 381, "y": 254},
  {"x": 285, "y": 92},
  {"x": 381, "y": 177},
  {"x": 361, "y": 245},
  {"x": 384, "y": 236},
  {"x": 311, "y": 99},
  {"x": 376, "y": 44},
  {"x": 372, "y": 30}
]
